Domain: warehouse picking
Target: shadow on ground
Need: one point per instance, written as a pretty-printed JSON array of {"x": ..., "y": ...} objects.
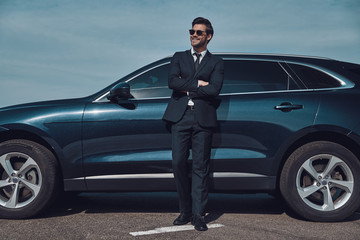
[
  {"x": 160, "y": 202},
  {"x": 166, "y": 202}
]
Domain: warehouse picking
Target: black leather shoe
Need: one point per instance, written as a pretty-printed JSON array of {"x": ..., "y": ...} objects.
[
  {"x": 199, "y": 223},
  {"x": 183, "y": 219}
]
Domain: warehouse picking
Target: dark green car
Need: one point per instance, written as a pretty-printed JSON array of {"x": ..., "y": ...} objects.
[{"x": 287, "y": 124}]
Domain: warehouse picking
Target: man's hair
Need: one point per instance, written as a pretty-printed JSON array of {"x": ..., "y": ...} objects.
[{"x": 207, "y": 23}]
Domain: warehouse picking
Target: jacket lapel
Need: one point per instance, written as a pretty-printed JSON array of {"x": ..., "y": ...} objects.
[
  {"x": 190, "y": 60},
  {"x": 203, "y": 62}
]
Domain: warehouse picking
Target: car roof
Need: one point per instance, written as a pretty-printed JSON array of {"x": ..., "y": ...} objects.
[{"x": 268, "y": 56}]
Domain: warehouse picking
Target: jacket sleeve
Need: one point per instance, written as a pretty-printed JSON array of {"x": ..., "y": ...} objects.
[
  {"x": 215, "y": 83},
  {"x": 175, "y": 81}
]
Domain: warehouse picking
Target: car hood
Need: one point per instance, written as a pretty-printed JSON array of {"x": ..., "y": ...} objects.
[
  {"x": 40, "y": 113},
  {"x": 43, "y": 104}
]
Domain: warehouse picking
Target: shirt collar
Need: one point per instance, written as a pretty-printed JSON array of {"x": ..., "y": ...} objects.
[{"x": 202, "y": 53}]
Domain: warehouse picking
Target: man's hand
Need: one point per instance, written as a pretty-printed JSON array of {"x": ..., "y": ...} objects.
[{"x": 202, "y": 83}]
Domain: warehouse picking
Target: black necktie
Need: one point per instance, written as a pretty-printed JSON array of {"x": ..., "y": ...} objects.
[{"x": 197, "y": 61}]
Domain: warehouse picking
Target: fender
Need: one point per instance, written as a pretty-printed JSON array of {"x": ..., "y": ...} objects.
[
  {"x": 68, "y": 152},
  {"x": 313, "y": 133}
]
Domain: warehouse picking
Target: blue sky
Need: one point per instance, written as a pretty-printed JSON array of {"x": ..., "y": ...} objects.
[{"x": 73, "y": 48}]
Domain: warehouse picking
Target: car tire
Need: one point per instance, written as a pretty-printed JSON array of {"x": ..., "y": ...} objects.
[
  {"x": 29, "y": 178},
  {"x": 320, "y": 181}
]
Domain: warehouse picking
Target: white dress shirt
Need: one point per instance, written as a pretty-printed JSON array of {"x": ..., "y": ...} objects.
[{"x": 202, "y": 55}]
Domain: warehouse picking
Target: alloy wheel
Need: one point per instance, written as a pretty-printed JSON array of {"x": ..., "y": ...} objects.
[
  {"x": 20, "y": 180},
  {"x": 325, "y": 182}
]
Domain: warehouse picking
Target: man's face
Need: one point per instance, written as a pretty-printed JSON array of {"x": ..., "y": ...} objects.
[{"x": 199, "y": 42}]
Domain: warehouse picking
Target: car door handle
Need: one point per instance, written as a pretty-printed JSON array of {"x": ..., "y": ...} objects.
[{"x": 287, "y": 107}]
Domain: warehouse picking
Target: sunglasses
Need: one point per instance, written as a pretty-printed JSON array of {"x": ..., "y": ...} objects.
[{"x": 198, "y": 32}]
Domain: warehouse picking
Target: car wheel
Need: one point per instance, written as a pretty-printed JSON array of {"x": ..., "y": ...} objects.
[
  {"x": 28, "y": 178},
  {"x": 320, "y": 181}
]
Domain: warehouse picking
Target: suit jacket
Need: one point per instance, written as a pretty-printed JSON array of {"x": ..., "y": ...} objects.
[{"x": 183, "y": 77}]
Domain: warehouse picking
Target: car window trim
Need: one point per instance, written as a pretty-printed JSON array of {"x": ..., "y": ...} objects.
[
  {"x": 248, "y": 93},
  {"x": 344, "y": 82},
  {"x": 285, "y": 91},
  {"x": 295, "y": 78},
  {"x": 168, "y": 62}
]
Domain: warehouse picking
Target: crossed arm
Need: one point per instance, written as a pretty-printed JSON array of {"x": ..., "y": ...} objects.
[
  {"x": 212, "y": 87},
  {"x": 195, "y": 87}
]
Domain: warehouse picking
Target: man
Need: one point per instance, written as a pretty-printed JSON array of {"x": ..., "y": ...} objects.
[{"x": 196, "y": 78}]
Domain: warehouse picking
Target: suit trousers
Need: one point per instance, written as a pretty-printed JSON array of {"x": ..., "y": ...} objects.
[{"x": 186, "y": 134}]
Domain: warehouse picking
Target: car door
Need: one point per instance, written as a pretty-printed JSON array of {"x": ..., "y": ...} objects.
[
  {"x": 262, "y": 108},
  {"x": 126, "y": 145}
]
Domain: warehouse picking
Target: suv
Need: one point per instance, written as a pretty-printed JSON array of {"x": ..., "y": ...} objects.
[{"x": 287, "y": 124}]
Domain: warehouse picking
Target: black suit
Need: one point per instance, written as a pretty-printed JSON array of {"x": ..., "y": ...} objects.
[{"x": 193, "y": 128}]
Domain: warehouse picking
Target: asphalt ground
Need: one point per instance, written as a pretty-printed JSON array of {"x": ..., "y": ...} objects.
[{"x": 129, "y": 215}]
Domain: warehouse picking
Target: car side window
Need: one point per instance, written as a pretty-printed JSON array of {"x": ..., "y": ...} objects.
[
  {"x": 151, "y": 84},
  {"x": 255, "y": 76},
  {"x": 314, "y": 79}
]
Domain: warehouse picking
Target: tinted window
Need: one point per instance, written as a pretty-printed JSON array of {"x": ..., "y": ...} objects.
[
  {"x": 255, "y": 76},
  {"x": 314, "y": 79},
  {"x": 355, "y": 70},
  {"x": 153, "y": 83}
]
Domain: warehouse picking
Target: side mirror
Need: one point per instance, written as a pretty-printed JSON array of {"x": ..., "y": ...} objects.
[{"x": 120, "y": 91}]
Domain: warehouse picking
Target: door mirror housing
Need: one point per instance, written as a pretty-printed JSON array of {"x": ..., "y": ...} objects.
[{"x": 120, "y": 91}]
